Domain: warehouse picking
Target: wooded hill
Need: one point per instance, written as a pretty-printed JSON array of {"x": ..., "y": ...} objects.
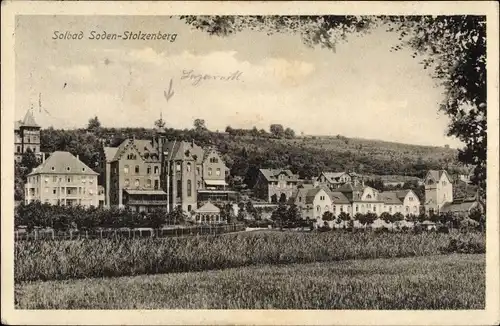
[{"x": 246, "y": 152}]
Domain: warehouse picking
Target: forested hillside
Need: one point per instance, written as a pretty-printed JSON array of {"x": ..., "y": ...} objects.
[{"x": 244, "y": 154}]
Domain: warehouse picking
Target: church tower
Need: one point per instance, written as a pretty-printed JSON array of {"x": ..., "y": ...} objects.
[{"x": 438, "y": 191}]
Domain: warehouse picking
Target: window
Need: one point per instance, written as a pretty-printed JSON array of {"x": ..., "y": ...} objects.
[
  {"x": 148, "y": 183},
  {"x": 127, "y": 183},
  {"x": 430, "y": 182},
  {"x": 136, "y": 183},
  {"x": 374, "y": 208},
  {"x": 189, "y": 208},
  {"x": 83, "y": 169},
  {"x": 217, "y": 172},
  {"x": 197, "y": 170},
  {"x": 18, "y": 149},
  {"x": 327, "y": 208},
  {"x": 131, "y": 156},
  {"x": 334, "y": 209},
  {"x": 357, "y": 208},
  {"x": 46, "y": 179},
  {"x": 179, "y": 189},
  {"x": 414, "y": 209},
  {"x": 137, "y": 169},
  {"x": 300, "y": 199},
  {"x": 83, "y": 179},
  {"x": 443, "y": 183},
  {"x": 189, "y": 190},
  {"x": 318, "y": 208},
  {"x": 157, "y": 184},
  {"x": 68, "y": 179},
  {"x": 407, "y": 209},
  {"x": 91, "y": 180},
  {"x": 178, "y": 167},
  {"x": 410, "y": 198},
  {"x": 390, "y": 209},
  {"x": 68, "y": 169},
  {"x": 341, "y": 209},
  {"x": 125, "y": 169},
  {"x": 54, "y": 191},
  {"x": 368, "y": 196},
  {"x": 148, "y": 169},
  {"x": 188, "y": 166},
  {"x": 52, "y": 168},
  {"x": 209, "y": 171}
]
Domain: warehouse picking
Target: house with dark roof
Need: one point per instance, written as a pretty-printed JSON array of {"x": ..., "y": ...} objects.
[
  {"x": 62, "y": 179},
  {"x": 275, "y": 185},
  {"x": 26, "y": 136},
  {"x": 334, "y": 180}
]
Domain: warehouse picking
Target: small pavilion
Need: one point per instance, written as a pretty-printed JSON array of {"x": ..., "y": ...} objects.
[{"x": 208, "y": 213}]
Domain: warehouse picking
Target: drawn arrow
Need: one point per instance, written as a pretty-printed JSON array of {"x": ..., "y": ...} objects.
[{"x": 170, "y": 93}]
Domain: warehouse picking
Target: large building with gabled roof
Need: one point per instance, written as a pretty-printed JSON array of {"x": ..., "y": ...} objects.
[
  {"x": 275, "y": 185},
  {"x": 26, "y": 136},
  {"x": 160, "y": 173},
  {"x": 62, "y": 179}
]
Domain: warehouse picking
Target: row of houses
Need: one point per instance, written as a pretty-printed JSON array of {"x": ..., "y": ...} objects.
[
  {"x": 160, "y": 173},
  {"x": 338, "y": 192}
]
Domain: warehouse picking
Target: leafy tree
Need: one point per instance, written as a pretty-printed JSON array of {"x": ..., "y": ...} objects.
[
  {"x": 94, "y": 124},
  {"x": 386, "y": 217},
  {"x": 280, "y": 215},
  {"x": 370, "y": 218},
  {"x": 327, "y": 217},
  {"x": 199, "y": 125},
  {"x": 29, "y": 160},
  {"x": 289, "y": 133},
  {"x": 277, "y": 130},
  {"x": 344, "y": 217},
  {"x": 376, "y": 183}
]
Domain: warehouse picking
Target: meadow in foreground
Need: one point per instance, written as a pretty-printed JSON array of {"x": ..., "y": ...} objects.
[
  {"x": 60, "y": 260},
  {"x": 454, "y": 281}
]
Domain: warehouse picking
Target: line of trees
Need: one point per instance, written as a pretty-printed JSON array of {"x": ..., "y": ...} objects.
[{"x": 62, "y": 218}]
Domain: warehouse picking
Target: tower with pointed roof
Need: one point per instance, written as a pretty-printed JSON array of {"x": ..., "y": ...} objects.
[
  {"x": 26, "y": 136},
  {"x": 438, "y": 191}
]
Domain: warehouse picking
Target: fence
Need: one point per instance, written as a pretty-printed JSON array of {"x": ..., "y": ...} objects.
[{"x": 128, "y": 233}]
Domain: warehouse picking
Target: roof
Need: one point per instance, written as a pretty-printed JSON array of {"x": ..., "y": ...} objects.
[
  {"x": 215, "y": 182},
  {"x": 145, "y": 192},
  {"x": 401, "y": 194},
  {"x": 63, "y": 163},
  {"x": 143, "y": 147},
  {"x": 181, "y": 150},
  {"x": 272, "y": 174},
  {"x": 436, "y": 174},
  {"x": 333, "y": 176},
  {"x": 339, "y": 198},
  {"x": 309, "y": 193},
  {"x": 29, "y": 120},
  {"x": 390, "y": 198},
  {"x": 458, "y": 207},
  {"x": 208, "y": 208},
  {"x": 348, "y": 187},
  {"x": 109, "y": 153}
]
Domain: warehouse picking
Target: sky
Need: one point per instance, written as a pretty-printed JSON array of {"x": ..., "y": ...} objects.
[{"x": 360, "y": 90}]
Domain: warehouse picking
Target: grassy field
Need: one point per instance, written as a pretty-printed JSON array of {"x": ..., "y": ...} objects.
[
  {"x": 60, "y": 260},
  {"x": 432, "y": 282}
]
